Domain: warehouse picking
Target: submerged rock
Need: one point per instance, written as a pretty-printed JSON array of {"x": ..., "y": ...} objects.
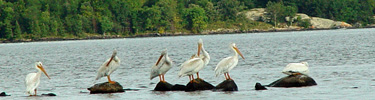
[
  {"x": 227, "y": 85},
  {"x": 49, "y": 94},
  {"x": 259, "y": 86},
  {"x": 106, "y": 87},
  {"x": 3, "y": 94},
  {"x": 294, "y": 81},
  {"x": 198, "y": 84}
]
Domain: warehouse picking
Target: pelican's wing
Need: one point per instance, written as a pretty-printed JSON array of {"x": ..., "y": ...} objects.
[
  {"x": 295, "y": 68},
  {"x": 154, "y": 71},
  {"x": 166, "y": 65},
  {"x": 31, "y": 83},
  {"x": 188, "y": 66},
  {"x": 224, "y": 65},
  {"x": 105, "y": 70}
]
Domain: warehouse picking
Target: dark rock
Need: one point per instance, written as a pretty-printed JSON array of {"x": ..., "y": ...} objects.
[
  {"x": 294, "y": 81},
  {"x": 49, "y": 94},
  {"x": 106, "y": 87},
  {"x": 178, "y": 87},
  {"x": 259, "y": 86},
  {"x": 128, "y": 89},
  {"x": 163, "y": 86},
  {"x": 227, "y": 85},
  {"x": 199, "y": 84},
  {"x": 3, "y": 94}
]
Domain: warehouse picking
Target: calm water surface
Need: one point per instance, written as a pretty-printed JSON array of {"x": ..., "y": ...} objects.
[{"x": 342, "y": 62}]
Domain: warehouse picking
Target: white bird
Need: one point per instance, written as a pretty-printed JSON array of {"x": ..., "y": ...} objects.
[
  {"x": 33, "y": 79},
  {"x": 227, "y": 64},
  {"x": 189, "y": 66},
  {"x": 205, "y": 57},
  {"x": 296, "y": 68},
  {"x": 162, "y": 66},
  {"x": 108, "y": 67}
]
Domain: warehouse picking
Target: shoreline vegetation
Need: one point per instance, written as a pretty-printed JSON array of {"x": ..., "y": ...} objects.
[
  {"x": 228, "y": 31},
  {"x": 52, "y": 20}
]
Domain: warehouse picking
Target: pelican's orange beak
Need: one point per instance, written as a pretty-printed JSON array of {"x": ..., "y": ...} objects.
[
  {"x": 238, "y": 51},
  {"x": 44, "y": 71},
  {"x": 161, "y": 56}
]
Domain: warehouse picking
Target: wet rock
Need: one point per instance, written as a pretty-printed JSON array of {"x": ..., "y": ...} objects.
[
  {"x": 163, "y": 86},
  {"x": 129, "y": 89},
  {"x": 49, "y": 94},
  {"x": 198, "y": 84},
  {"x": 259, "y": 86},
  {"x": 294, "y": 81},
  {"x": 227, "y": 85},
  {"x": 178, "y": 87},
  {"x": 3, "y": 94},
  {"x": 106, "y": 87}
]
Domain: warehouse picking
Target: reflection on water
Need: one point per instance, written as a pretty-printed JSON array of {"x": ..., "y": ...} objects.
[{"x": 339, "y": 60}]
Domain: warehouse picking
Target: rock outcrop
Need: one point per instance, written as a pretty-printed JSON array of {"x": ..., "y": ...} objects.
[
  {"x": 3, "y": 94},
  {"x": 198, "y": 84},
  {"x": 293, "y": 81},
  {"x": 259, "y": 86},
  {"x": 255, "y": 14},
  {"x": 226, "y": 85},
  {"x": 106, "y": 87},
  {"x": 165, "y": 86},
  {"x": 49, "y": 94},
  {"x": 259, "y": 14}
]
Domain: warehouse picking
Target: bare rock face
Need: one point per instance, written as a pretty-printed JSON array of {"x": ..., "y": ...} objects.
[
  {"x": 106, "y": 87},
  {"x": 255, "y": 14},
  {"x": 227, "y": 85},
  {"x": 294, "y": 81},
  {"x": 199, "y": 84}
]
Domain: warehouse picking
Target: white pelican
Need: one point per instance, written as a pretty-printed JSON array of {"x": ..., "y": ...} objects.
[
  {"x": 108, "y": 67},
  {"x": 188, "y": 68},
  {"x": 227, "y": 64},
  {"x": 296, "y": 68},
  {"x": 33, "y": 79},
  {"x": 205, "y": 57},
  {"x": 162, "y": 66}
]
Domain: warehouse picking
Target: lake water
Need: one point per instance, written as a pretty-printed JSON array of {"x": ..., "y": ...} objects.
[{"x": 341, "y": 61}]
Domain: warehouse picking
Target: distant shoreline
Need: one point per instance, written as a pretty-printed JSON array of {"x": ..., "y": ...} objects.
[{"x": 225, "y": 31}]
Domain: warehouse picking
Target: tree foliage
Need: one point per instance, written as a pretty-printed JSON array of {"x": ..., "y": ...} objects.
[{"x": 56, "y": 18}]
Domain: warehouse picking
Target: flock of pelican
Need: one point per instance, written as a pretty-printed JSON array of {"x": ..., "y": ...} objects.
[{"x": 190, "y": 67}]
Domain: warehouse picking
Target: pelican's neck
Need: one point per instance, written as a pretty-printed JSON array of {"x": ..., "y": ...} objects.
[
  {"x": 206, "y": 56},
  {"x": 235, "y": 52},
  {"x": 38, "y": 74}
]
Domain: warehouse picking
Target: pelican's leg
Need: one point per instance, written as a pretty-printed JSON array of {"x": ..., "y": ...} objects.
[
  {"x": 193, "y": 78},
  {"x": 160, "y": 78},
  {"x": 189, "y": 78},
  {"x": 163, "y": 77},
  {"x": 110, "y": 81},
  {"x": 197, "y": 75},
  {"x": 225, "y": 74},
  {"x": 229, "y": 76},
  {"x": 35, "y": 92}
]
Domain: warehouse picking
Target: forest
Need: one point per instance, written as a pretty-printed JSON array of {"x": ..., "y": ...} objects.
[{"x": 35, "y": 19}]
